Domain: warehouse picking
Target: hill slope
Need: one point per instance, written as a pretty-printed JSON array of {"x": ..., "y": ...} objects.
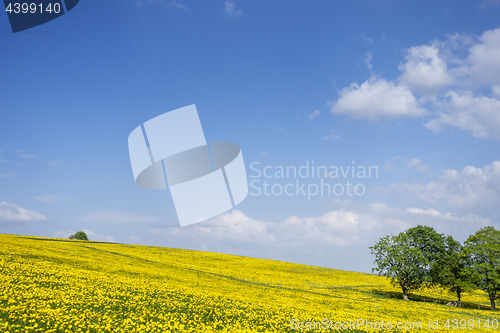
[{"x": 55, "y": 285}]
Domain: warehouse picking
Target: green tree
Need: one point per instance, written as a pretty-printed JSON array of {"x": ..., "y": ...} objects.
[
  {"x": 407, "y": 257},
  {"x": 426, "y": 239},
  {"x": 483, "y": 253},
  {"x": 450, "y": 271},
  {"x": 80, "y": 235}
]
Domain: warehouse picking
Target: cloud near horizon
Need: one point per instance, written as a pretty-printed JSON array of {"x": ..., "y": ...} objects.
[{"x": 10, "y": 212}]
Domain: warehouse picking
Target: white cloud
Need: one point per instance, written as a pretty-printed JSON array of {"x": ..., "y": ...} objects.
[
  {"x": 377, "y": 99},
  {"x": 351, "y": 226},
  {"x": 447, "y": 75},
  {"x": 64, "y": 233},
  {"x": 118, "y": 217},
  {"x": 472, "y": 190},
  {"x": 424, "y": 71},
  {"x": 98, "y": 237},
  {"x": 484, "y": 58},
  {"x": 430, "y": 211},
  {"x": 477, "y": 65},
  {"x": 348, "y": 231},
  {"x": 479, "y": 116},
  {"x": 12, "y": 213},
  {"x": 237, "y": 226},
  {"x": 472, "y": 220},
  {"x": 47, "y": 198},
  {"x": 340, "y": 228},
  {"x": 230, "y": 9},
  {"x": 314, "y": 114}
]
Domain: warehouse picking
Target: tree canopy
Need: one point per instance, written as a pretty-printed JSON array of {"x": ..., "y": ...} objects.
[
  {"x": 449, "y": 271},
  {"x": 420, "y": 257},
  {"x": 482, "y": 252},
  {"x": 406, "y": 258},
  {"x": 80, "y": 235}
]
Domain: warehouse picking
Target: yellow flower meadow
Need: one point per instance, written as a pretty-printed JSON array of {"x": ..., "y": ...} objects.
[{"x": 57, "y": 285}]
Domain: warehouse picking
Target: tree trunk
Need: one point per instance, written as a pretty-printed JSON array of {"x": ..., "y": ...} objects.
[
  {"x": 492, "y": 300},
  {"x": 459, "y": 299},
  {"x": 405, "y": 293}
]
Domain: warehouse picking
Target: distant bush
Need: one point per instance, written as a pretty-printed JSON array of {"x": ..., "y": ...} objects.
[{"x": 80, "y": 235}]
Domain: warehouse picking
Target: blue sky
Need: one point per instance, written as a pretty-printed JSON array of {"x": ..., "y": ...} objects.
[{"x": 412, "y": 88}]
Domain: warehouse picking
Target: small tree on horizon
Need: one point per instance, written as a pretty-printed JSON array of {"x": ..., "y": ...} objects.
[{"x": 80, "y": 235}]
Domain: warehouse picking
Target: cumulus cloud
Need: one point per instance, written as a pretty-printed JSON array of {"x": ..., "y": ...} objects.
[
  {"x": 237, "y": 226},
  {"x": 484, "y": 58},
  {"x": 118, "y": 217},
  {"x": 340, "y": 228},
  {"x": 10, "y": 212},
  {"x": 449, "y": 77},
  {"x": 98, "y": 237},
  {"x": 473, "y": 189},
  {"x": 348, "y": 229},
  {"x": 230, "y": 9},
  {"x": 476, "y": 65},
  {"x": 336, "y": 228},
  {"x": 424, "y": 71},
  {"x": 377, "y": 99},
  {"x": 480, "y": 116},
  {"x": 352, "y": 226}
]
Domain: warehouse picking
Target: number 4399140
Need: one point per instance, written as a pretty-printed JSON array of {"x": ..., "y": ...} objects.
[{"x": 32, "y": 8}]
